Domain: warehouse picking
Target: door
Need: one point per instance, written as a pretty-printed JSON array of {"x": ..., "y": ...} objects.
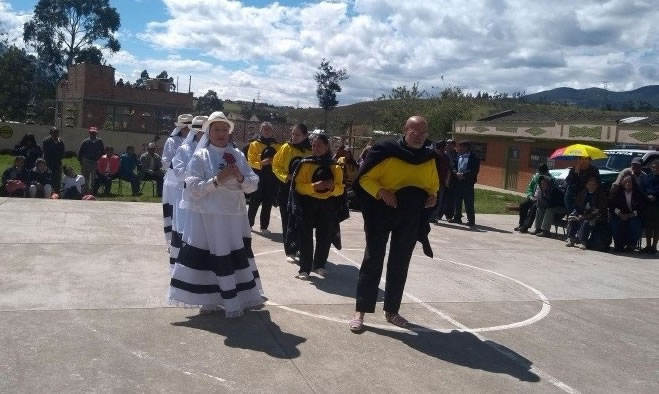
[{"x": 512, "y": 168}]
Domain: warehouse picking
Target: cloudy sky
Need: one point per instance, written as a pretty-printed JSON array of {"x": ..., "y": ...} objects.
[{"x": 242, "y": 49}]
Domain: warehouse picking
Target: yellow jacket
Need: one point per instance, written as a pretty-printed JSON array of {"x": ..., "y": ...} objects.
[
  {"x": 393, "y": 174},
  {"x": 304, "y": 184},
  {"x": 283, "y": 158},
  {"x": 254, "y": 153}
]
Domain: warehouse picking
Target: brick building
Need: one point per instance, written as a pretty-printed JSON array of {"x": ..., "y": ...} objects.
[
  {"x": 511, "y": 145},
  {"x": 90, "y": 97}
]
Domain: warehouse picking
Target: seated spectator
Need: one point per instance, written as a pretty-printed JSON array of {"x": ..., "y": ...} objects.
[
  {"x": 625, "y": 206},
  {"x": 72, "y": 184},
  {"x": 107, "y": 168},
  {"x": 590, "y": 211},
  {"x": 549, "y": 205},
  {"x": 29, "y": 149},
  {"x": 128, "y": 163},
  {"x": 576, "y": 179},
  {"x": 15, "y": 178},
  {"x": 650, "y": 190},
  {"x": 527, "y": 209},
  {"x": 635, "y": 171},
  {"x": 41, "y": 180},
  {"x": 151, "y": 167}
]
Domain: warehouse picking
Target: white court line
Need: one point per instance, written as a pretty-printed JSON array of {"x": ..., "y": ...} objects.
[{"x": 542, "y": 374}]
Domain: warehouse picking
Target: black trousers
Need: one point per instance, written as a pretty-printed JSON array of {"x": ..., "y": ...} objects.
[
  {"x": 264, "y": 196},
  {"x": 524, "y": 211},
  {"x": 57, "y": 176},
  {"x": 319, "y": 215},
  {"x": 158, "y": 178},
  {"x": 282, "y": 199},
  {"x": 105, "y": 181},
  {"x": 465, "y": 192},
  {"x": 379, "y": 222}
]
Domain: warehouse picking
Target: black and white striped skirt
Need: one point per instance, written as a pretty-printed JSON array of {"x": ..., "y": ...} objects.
[{"x": 215, "y": 266}]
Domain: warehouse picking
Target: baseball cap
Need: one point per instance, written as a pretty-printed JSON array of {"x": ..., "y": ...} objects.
[{"x": 637, "y": 160}]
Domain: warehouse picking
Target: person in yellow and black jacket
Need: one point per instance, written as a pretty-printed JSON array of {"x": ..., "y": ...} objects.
[
  {"x": 398, "y": 186},
  {"x": 314, "y": 202},
  {"x": 259, "y": 156},
  {"x": 283, "y": 166}
]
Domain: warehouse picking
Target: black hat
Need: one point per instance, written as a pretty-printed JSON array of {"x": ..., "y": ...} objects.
[{"x": 637, "y": 160}]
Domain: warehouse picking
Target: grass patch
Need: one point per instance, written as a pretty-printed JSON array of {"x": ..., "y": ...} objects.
[{"x": 487, "y": 201}]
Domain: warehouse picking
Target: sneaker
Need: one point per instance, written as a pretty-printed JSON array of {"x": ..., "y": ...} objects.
[
  {"x": 290, "y": 258},
  {"x": 582, "y": 247},
  {"x": 265, "y": 231},
  {"x": 544, "y": 234},
  {"x": 569, "y": 243},
  {"x": 534, "y": 231},
  {"x": 302, "y": 276},
  {"x": 321, "y": 271}
]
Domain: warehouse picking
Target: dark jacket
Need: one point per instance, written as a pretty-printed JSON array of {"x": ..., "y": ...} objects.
[
  {"x": 619, "y": 201},
  {"x": 473, "y": 167},
  {"x": 12, "y": 173},
  {"x": 53, "y": 152},
  {"x": 598, "y": 205},
  {"x": 127, "y": 164},
  {"x": 443, "y": 169},
  {"x": 44, "y": 178},
  {"x": 91, "y": 149},
  {"x": 577, "y": 182},
  {"x": 551, "y": 198},
  {"x": 31, "y": 154}
]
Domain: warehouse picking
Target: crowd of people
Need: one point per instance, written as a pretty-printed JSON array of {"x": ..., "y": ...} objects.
[
  {"x": 593, "y": 217},
  {"x": 38, "y": 171},
  {"x": 208, "y": 222}
]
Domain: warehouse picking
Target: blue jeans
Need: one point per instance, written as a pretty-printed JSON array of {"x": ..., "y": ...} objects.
[
  {"x": 579, "y": 229},
  {"x": 625, "y": 233}
]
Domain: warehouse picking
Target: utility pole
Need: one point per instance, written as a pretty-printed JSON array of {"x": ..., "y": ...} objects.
[
  {"x": 190, "y": 84},
  {"x": 258, "y": 97}
]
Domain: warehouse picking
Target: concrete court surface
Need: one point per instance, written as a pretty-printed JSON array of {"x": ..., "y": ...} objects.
[{"x": 82, "y": 309}]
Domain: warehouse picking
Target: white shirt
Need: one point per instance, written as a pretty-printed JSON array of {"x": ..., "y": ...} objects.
[
  {"x": 628, "y": 197},
  {"x": 228, "y": 198},
  {"x": 168, "y": 153}
]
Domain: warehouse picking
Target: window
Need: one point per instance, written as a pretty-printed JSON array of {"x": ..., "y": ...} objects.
[
  {"x": 480, "y": 149},
  {"x": 539, "y": 156}
]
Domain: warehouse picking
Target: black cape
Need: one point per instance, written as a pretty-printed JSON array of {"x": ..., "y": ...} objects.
[
  {"x": 407, "y": 197},
  {"x": 296, "y": 210}
]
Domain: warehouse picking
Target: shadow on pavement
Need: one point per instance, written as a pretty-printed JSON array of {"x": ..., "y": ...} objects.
[
  {"x": 253, "y": 331},
  {"x": 477, "y": 229},
  {"x": 276, "y": 237},
  {"x": 465, "y": 349},
  {"x": 341, "y": 280}
]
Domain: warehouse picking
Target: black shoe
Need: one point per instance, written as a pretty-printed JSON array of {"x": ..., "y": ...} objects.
[
  {"x": 471, "y": 224},
  {"x": 523, "y": 230},
  {"x": 517, "y": 228},
  {"x": 456, "y": 221}
]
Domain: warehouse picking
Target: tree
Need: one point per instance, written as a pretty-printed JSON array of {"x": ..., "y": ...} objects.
[
  {"x": 399, "y": 105},
  {"x": 91, "y": 55},
  {"x": 328, "y": 86},
  {"x": 209, "y": 103},
  {"x": 62, "y": 30},
  {"x": 17, "y": 69},
  {"x": 163, "y": 75},
  {"x": 141, "y": 82}
]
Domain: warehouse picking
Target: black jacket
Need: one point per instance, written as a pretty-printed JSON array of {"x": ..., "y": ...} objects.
[
  {"x": 577, "y": 182},
  {"x": 91, "y": 150},
  {"x": 473, "y": 167},
  {"x": 12, "y": 173},
  {"x": 552, "y": 198},
  {"x": 44, "y": 178},
  {"x": 53, "y": 152},
  {"x": 31, "y": 154}
]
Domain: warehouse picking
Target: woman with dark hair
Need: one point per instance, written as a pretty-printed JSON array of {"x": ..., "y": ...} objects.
[
  {"x": 15, "y": 178},
  {"x": 316, "y": 184},
  {"x": 650, "y": 187},
  {"x": 625, "y": 206},
  {"x": 283, "y": 166},
  {"x": 29, "y": 149}
]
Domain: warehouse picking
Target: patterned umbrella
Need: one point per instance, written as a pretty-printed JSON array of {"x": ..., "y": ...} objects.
[{"x": 579, "y": 150}]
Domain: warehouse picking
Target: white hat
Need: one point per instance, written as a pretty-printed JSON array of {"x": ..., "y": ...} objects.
[
  {"x": 152, "y": 145},
  {"x": 184, "y": 120},
  {"x": 198, "y": 121},
  {"x": 217, "y": 116}
]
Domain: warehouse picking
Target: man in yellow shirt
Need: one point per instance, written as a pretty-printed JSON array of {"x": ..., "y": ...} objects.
[
  {"x": 259, "y": 156},
  {"x": 397, "y": 184}
]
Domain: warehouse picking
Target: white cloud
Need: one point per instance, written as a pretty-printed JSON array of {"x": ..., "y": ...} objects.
[
  {"x": 11, "y": 23},
  {"x": 501, "y": 45}
]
